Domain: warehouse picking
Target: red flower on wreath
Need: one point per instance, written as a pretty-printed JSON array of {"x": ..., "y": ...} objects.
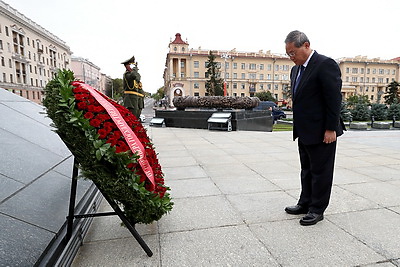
[{"x": 108, "y": 131}]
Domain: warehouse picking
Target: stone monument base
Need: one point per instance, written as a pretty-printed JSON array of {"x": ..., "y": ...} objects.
[{"x": 242, "y": 120}]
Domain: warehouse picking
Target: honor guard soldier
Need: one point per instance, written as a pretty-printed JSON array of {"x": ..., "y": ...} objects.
[{"x": 133, "y": 92}]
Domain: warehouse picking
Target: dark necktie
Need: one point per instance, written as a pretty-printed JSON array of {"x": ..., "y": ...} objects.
[{"x": 298, "y": 78}]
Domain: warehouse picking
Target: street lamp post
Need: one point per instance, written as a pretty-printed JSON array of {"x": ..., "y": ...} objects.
[{"x": 225, "y": 56}]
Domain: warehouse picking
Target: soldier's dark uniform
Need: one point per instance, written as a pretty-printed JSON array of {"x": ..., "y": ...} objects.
[{"x": 133, "y": 92}]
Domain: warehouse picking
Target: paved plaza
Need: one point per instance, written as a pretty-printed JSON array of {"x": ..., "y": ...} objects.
[{"x": 230, "y": 190}]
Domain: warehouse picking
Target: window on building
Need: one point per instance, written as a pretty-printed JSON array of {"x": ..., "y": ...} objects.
[
  {"x": 362, "y": 70},
  {"x": 7, "y": 31},
  {"x": 206, "y": 75},
  {"x": 354, "y": 79},
  {"x": 276, "y": 77},
  {"x": 196, "y": 85},
  {"x": 196, "y": 64},
  {"x": 269, "y": 67},
  {"x": 1, "y": 44},
  {"x": 196, "y": 94},
  {"x": 11, "y": 78},
  {"x": 347, "y": 70},
  {"x": 252, "y": 66},
  {"x": 243, "y": 66},
  {"x": 368, "y": 71},
  {"x": 9, "y": 63},
  {"x": 227, "y": 65},
  {"x": 196, "y": 74},
  {"x": 276, "y": 86},
  {"x": 242, "y": 94},
  {"x": 268, "y": 76},
  {"x": 235, "y": 66},
  {"x": 354, "y": 70},
  {"x": 3, "y": 63},
  {"x": 261, "y": 66},
  {"x": 252, "y": 76},
  {"x": 269, "y": 86},
  {"x": 234, "y": 85},
  {"x": 261, "y": 76},
  {"x": 226, "y": 75},
  {"x": 234, "y": 75},
  {"x": 182, "y": 64},
  {"x": 242, "y": 86},
  {"x": 261, "y": 86},
  {"x": 243, "y": 75}
]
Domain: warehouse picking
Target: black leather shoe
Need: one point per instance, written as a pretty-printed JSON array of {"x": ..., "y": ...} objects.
[
  {"x": 297, "y": 209},
  {"x": 311, "y": 219}
]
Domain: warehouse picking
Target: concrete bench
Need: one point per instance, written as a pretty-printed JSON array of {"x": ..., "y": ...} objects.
[
  {"x": 359, "y": 125},
  {"x": 381, "y": 125}
]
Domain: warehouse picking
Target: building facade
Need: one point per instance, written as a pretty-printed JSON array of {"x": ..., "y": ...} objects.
[
  {"x": 29, "y": 54},
  {"x": 86, "y": 71},
  {"x": 247, "y": 73},
  {"x": 369, "y": 77}
]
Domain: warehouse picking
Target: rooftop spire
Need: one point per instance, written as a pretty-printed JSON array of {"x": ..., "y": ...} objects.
[{"x": 178, "y": 39}]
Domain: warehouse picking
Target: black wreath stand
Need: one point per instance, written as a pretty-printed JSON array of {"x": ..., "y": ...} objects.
[{"x": 117, "y": 211}]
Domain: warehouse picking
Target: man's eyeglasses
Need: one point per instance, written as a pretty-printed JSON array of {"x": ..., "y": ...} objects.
[{"x": 291, "y": 54}]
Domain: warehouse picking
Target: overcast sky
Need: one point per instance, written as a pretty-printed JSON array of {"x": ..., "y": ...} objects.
[{"x": 108, "y": 32}]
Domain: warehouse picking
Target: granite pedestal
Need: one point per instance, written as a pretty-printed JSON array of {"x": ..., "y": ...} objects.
[{"x": 242, "y": 120}]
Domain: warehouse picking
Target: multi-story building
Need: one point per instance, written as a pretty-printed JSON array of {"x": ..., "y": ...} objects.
[
  {"x": 29, "y": 54},
  {"x": 245, "y": 73},
  {"x": 86, "y": 71},
  {"x": 370, "y": 77}
]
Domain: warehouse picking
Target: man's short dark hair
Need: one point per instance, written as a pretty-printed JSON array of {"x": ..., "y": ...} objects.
[{"x": 297, "y": 37}]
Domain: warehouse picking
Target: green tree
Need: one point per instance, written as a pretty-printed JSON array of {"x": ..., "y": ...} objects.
[
  {"x": 360, "y": 112},
  {"x": 159, "y": 94},
  {"x": 393, "y": 94},
  {"x": 379, "y": 111},
  {"x": 265, "y": 96},
  {"x": 352, "y": 100},
  {"x": 118, "y": 88},
  {"x": 215, "y": 84},
  {"x": 394, "y": 110},
  {"x": 345, "y": 113}
]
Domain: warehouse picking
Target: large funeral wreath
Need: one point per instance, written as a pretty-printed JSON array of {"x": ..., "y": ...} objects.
[{"x": 103, "y": 153}]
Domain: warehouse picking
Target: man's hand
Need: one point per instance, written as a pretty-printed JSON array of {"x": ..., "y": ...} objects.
[{"x": 329, "y": 137}]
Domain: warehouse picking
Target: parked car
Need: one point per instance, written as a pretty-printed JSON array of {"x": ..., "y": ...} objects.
[{"x": 276, "y": 112}]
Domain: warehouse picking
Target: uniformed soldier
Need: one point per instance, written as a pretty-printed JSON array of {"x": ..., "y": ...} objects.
[{"x": 133, "y": 92}]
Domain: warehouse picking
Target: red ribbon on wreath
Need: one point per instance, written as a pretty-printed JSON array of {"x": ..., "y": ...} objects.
[{"x": 131, "y": 139}]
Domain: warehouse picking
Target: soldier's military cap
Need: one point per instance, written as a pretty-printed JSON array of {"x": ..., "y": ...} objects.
[{"x": 131, "y": 60}]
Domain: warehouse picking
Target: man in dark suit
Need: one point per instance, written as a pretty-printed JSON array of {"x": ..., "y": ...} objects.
[{"x": 316, "y": 93}]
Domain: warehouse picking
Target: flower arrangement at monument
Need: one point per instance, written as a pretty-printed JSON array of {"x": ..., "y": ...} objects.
[{"x": 111, "y": 146}]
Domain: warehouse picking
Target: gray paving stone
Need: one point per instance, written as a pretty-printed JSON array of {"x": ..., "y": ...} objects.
[
  {"x": 118, "y": 252},
  {"x": 222, "y": 246},
  {"x": 383, "y": 173},
  {"x": 323, "y": 244},
  {"x": 199, "y": 213},
  {"x": 350, "y": 176},
  {"x": 185, "y": 172},
  {"x": 193, "y": 188},
  {"x": 378, "y": 229},
  {"x": 177, "y": 161},
  {"x": 345, "y": 201},
  {"x": 385, "y": 194},
  {"x": 244, "y": 184},
  {"x": 262, "y": 207}
]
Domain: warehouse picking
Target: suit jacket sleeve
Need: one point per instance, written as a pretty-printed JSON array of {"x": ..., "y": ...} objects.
[{"x": 330, "y": 78}]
